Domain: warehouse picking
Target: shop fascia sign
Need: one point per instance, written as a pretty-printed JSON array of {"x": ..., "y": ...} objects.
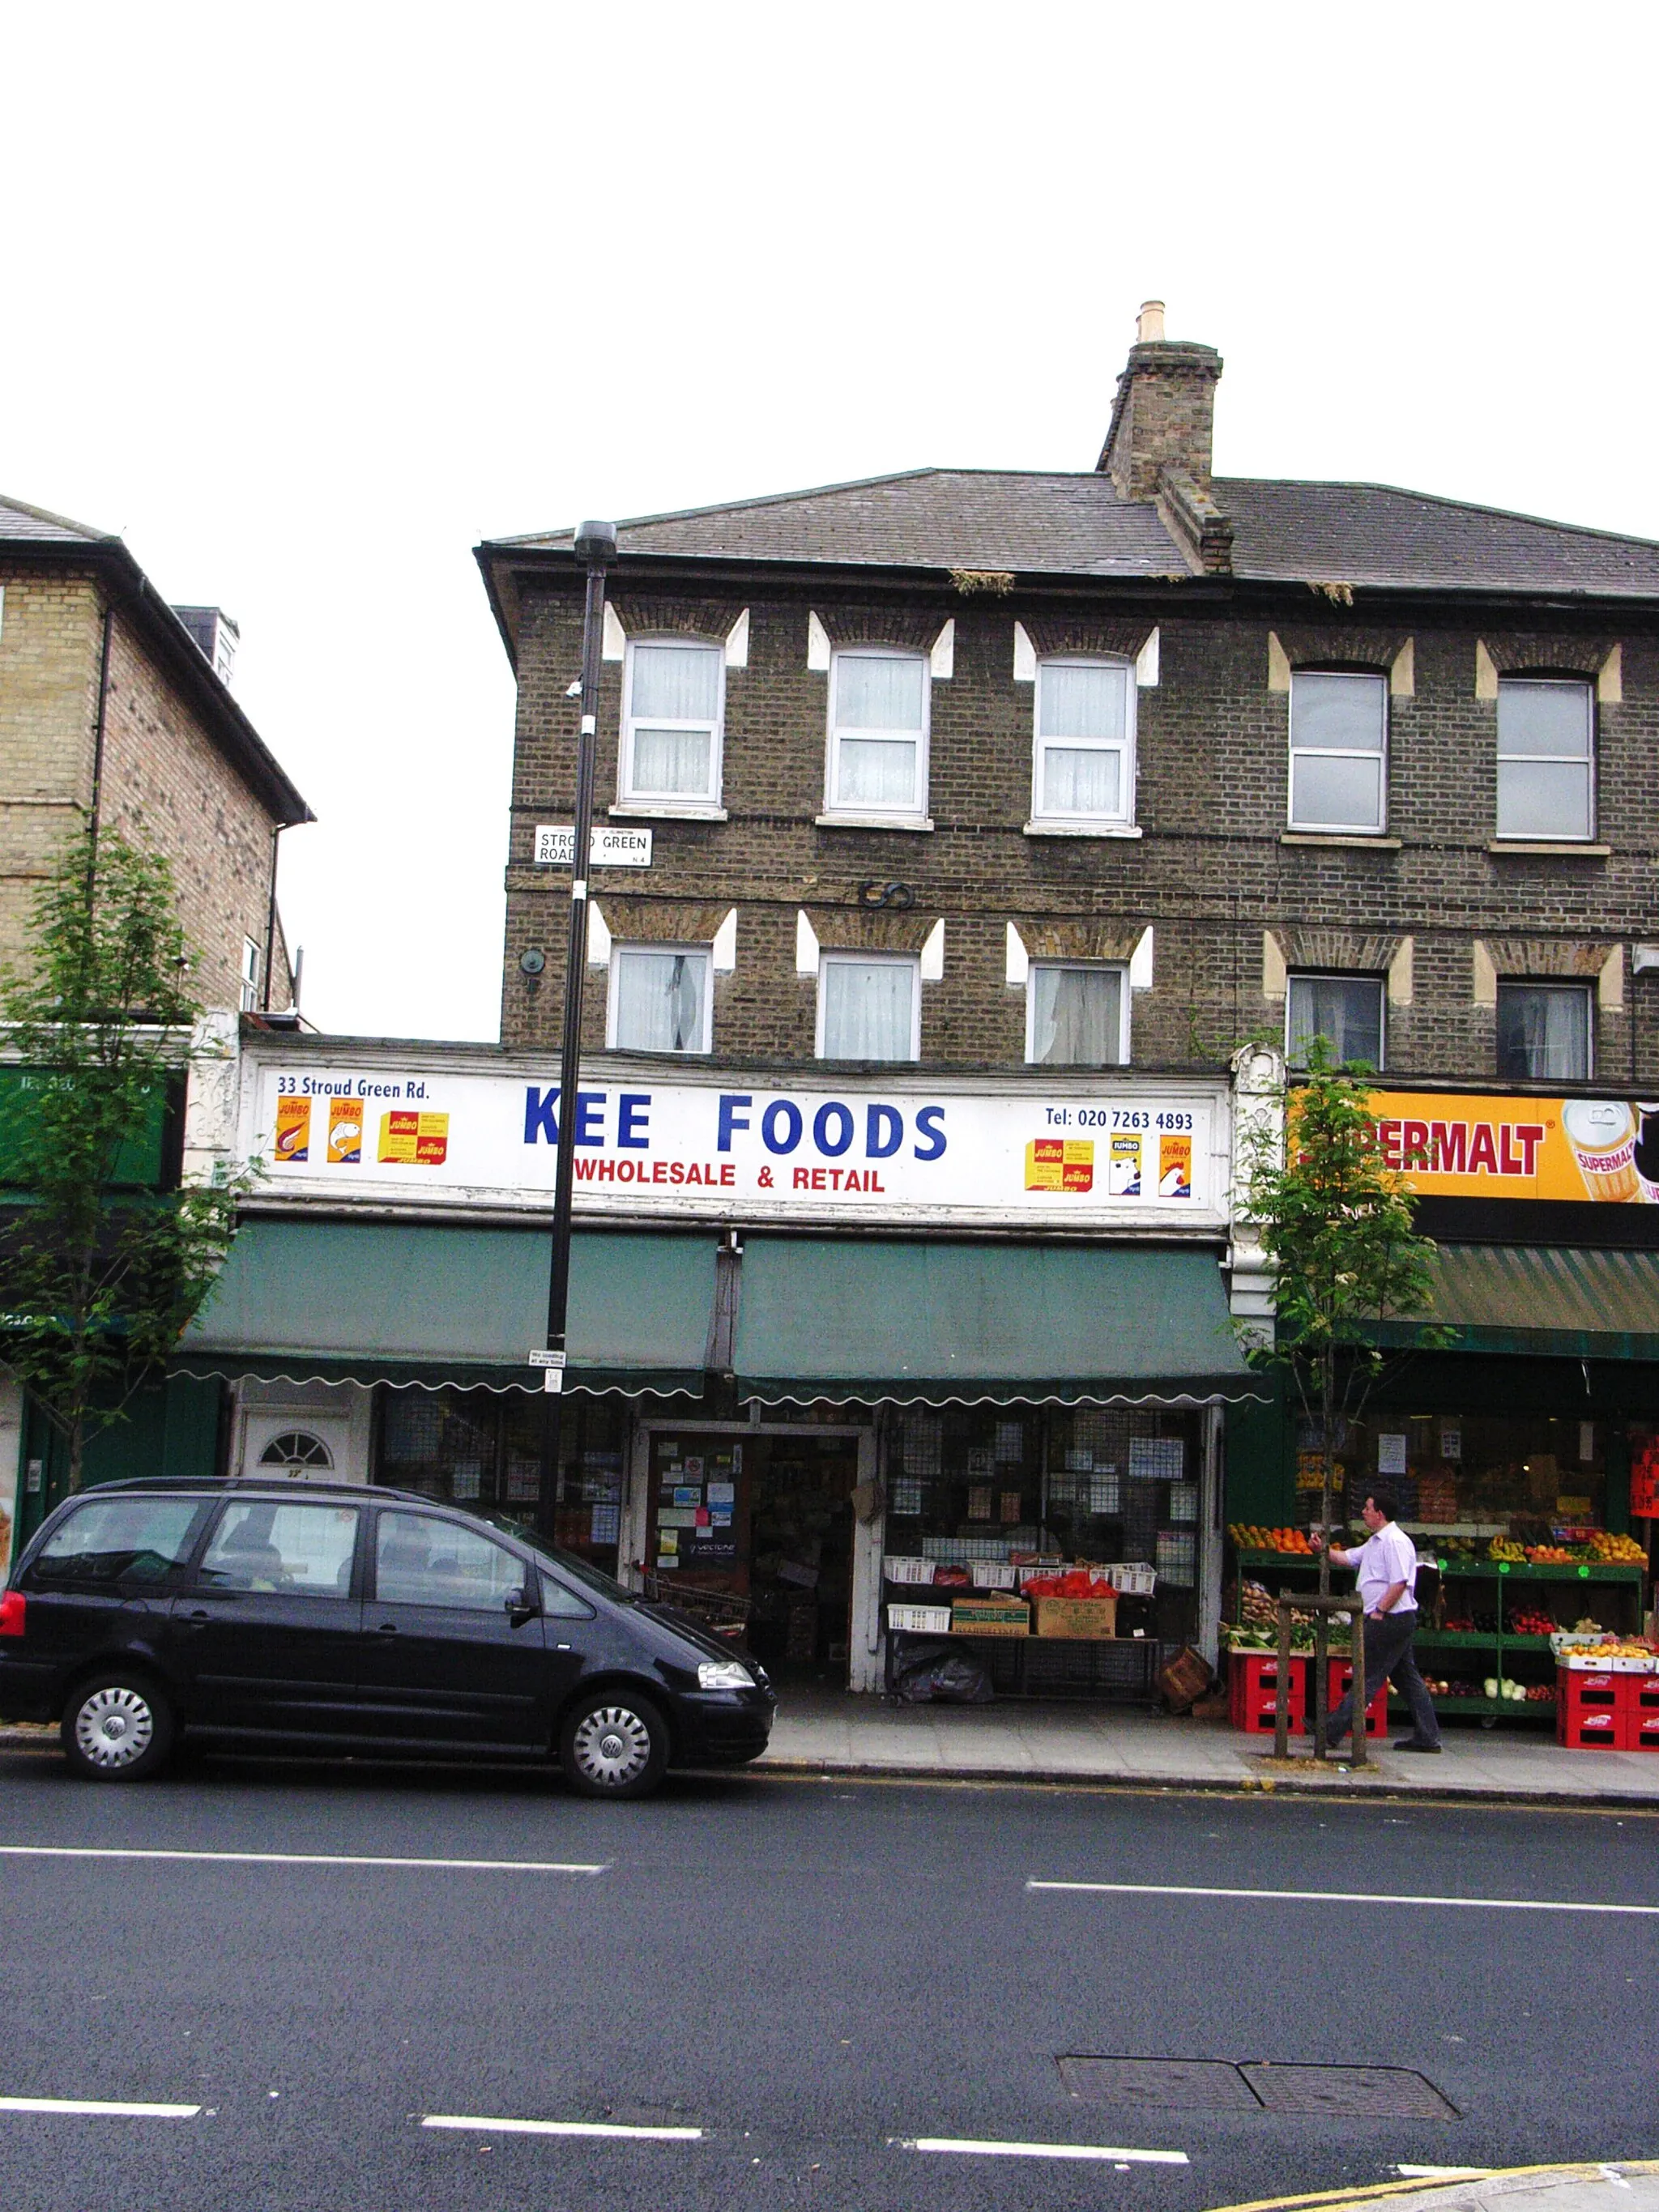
[
  {"x": 1073, "y": 1153},
  {"x": 1462, "y": 1145}
]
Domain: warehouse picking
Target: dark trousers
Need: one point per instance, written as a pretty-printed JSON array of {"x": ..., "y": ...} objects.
[{"x": 1389, "y": 1652}]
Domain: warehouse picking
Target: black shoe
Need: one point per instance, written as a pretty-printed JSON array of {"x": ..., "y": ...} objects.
[{"x": 1411, "y": 1743}]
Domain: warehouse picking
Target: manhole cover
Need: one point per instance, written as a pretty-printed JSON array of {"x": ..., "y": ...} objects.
[
  {"x": 1197, "y": 2085},
  {"x": 1358, "y": 2092}
]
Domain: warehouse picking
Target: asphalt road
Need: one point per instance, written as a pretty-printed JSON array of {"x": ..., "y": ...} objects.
[{"x": 814, "y": 1975}]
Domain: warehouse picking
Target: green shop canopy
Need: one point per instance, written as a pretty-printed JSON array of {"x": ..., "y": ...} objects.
[
  {"x": 886, "y": 1321},
  {"x": 1541, "y": 1298},
  {"x": 414, "y": 1303}
]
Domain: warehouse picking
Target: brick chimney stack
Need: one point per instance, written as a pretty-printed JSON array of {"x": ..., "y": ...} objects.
[
  {"x": 1158, "y": 445},
  {"x": 1164, "y": 412}
]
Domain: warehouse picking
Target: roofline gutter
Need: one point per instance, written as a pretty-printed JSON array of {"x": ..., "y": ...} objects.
[
  {"x": 1193, "y": 590},
  {"x": 182, "y": 659}
]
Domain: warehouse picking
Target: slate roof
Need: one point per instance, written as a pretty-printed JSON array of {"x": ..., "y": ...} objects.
[
  {"x": 36, "y": 526},
  {"x": 1076, "y": 525}
]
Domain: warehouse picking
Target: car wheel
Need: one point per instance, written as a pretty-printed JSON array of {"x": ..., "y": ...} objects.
[
  {"x": 117, "y": 1727},
  {"x": 614, "y": 1745}
]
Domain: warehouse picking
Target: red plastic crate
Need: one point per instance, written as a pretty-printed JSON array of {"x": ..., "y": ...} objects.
[
  {"x": 1644, "y": 1731},
  {"x": 1642, "y": 1695},
  {"x": 1594, "y": 1712},
  {"x": 1340, "y": 1681},
  {"x": 1253, "y": 1691}
]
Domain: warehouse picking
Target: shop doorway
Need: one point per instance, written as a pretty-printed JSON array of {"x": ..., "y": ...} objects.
[{"x": 765, "y": 1516}]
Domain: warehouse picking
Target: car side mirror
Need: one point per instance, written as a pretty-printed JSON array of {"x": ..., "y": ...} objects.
[{"x": 520, "y": 1608}]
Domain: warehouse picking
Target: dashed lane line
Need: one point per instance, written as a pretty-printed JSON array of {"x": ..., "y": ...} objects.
[
  {"x": 97, "y": 2108},
  {"x": 1100, "y": 2151},
  {"x": 299, "y": 1858},
  {"x": 603, "y": 2127},
  {"x": 1349, "y": 1897}
]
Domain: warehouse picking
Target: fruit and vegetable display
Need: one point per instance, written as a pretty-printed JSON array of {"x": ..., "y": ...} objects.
[
  {"x": 1529, "y": 1620},
  {"x": 1505, "y": 1548},
  {"x": 1255, "y": 1624},
  {"x": 1615, "y": 1551},
  {"x": 1077, "y": 1583},
  {"x": 1249, "y": 1538}
]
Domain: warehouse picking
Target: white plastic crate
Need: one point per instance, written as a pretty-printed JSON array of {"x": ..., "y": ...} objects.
[
  {"x": 1131, "y": 1578},
  {"x": 994, "y": 1574},
  {"x": 919, "y": 1620},
  {"x": 902, "y": 1570}
]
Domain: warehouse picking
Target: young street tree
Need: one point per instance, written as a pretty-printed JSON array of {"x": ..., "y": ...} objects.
[
  {"x": 100, "y": 1264},
  {"x": 1334, "y": 1221}
]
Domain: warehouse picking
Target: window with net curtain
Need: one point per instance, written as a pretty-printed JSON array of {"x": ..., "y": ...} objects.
[
  {"x": 1075, "y": 1015},
  {"x": 1339, "y": 735},
  {"x": 1544, "y": 1031},
  {"x": 671, "y": 725},
  {"x": 867, "y": 1008},
  {"x": 1083, "y": 768},
  {"x": 877, "y": 733},
  {"x": 659, "y": 997},
  {"x": 1346, "y": 1011},
  {"x": 1545, "y": 757}
]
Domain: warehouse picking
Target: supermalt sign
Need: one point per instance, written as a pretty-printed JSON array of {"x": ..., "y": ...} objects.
[
  {"x": 1466, "y": 1146},
  {"x": 1079, "y": 1153}
]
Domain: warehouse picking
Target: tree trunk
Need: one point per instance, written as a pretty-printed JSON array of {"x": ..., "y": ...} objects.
[
  {"x": 1326, "y": 1488},
  {"x": 77, "y": 1445}
]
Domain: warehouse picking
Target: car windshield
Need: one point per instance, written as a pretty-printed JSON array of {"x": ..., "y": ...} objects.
[{"x": 567, "y": 1562}]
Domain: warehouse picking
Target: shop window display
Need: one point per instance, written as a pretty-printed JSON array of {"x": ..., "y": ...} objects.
[
  {"x": 483, "y": 1448},
  {"x": 992, "y": 1498},
  {"x": 1475, "y": 1476}
]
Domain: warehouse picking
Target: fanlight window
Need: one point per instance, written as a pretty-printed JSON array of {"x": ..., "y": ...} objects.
[{"x": 296, "y": 1448}]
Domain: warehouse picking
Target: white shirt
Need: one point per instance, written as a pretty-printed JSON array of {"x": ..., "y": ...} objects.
[{"x": 1387, "y": 1558}]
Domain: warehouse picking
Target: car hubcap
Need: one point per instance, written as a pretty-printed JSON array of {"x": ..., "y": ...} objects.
[
  {"x": 114, "y": 1728},
  {"x": 613, "y": 1746}
]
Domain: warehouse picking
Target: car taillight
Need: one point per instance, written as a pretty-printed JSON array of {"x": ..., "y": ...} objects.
[{"x": 12, "y": 1606}]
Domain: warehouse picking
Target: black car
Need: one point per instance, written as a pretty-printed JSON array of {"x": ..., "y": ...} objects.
[{"x": 322, "y": 1617}]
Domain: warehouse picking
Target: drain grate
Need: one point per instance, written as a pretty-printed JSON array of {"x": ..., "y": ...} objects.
[
  {"x": 1192, "y": 2085},
  {"x": 1216, "y": 2085},
  {"x": 1358, "y": 2092}
]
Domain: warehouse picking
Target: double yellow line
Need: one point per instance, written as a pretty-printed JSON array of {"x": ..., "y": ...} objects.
[{"x": 1416, "y": 2187}]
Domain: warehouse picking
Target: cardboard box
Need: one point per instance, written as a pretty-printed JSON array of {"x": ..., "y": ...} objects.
[
  {"x": 1090, "y": 1620},
  {"x": 984, "y": 1616}
]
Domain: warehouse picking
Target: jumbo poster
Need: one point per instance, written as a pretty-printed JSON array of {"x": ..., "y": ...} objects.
[{"x": 1450, "y": 1146}]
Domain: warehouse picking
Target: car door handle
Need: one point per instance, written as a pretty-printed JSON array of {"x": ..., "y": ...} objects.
[
  {"x": 199, "y": 1617},
  {"x": 388, "y": 1628}
]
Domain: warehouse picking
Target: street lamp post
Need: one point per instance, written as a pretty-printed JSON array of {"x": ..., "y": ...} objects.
[{"x": 595, "y": 550}]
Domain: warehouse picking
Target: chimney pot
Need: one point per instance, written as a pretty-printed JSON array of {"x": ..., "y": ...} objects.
[{"x": 1148, "y": 323}]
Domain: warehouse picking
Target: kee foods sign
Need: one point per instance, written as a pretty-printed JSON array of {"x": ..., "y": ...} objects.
[
  {"x": 1544, "y": 1148},
  {"x": 1075, "y": 1154}
]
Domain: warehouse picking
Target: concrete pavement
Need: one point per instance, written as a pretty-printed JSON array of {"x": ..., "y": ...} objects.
[
  {"x": 822, "y": 1732},
  {"x": 1628, "y": 2187}
]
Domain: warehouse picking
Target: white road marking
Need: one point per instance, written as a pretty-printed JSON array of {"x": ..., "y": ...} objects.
[
  {"x": 1348, "y": 1897},
  {"x": 98, "y": 2110},
  {"x": 966, "y": 2144},
  {"x": 560, "y": 2128},
  {"x": 299, "y": 1858}
]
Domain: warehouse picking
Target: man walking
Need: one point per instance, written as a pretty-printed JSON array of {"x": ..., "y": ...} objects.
[{"x": 1385, "y": 1566}]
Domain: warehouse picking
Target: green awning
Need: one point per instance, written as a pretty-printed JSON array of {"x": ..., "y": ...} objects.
[
  {"x": 1541, "y": 1298},
  {"x": 414, "y": 1303},
  {"x": 886, "y": 1321}
]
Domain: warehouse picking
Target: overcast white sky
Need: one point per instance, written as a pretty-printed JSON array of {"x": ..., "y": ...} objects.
[{"x": 305, "y": 301}]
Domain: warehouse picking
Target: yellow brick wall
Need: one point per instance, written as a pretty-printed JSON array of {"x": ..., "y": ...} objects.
[{"x": 50, "y": 628}]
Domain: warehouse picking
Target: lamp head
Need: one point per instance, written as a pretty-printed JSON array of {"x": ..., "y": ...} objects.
[{"x": 595, "y": 544}]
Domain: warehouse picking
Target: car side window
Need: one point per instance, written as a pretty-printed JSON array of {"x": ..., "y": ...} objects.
[
  {"x": 559, "y": 1603},
  {"x": 266, "y": 1544},
  {"x": 127, "y": 1542},
  {"x": 420, "y": 1560}
]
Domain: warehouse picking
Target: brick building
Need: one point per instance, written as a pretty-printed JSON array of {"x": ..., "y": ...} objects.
[
  {"x": 116, "y": 707},
  {"x": 1432, "y": 862}
]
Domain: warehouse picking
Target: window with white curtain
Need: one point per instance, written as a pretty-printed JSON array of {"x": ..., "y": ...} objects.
[
  {"x": 1346, "y": 1011},
  {"x": 1339, "y": 745},
  {"x": 1076, "y": 1015},
  {"x": 673, "y": 700},
  {"x": 1084, "y": 770},
  {"x": 1545, "y": 730},
  {"x": 869, "y": 1006},
  {"x": 877, "y": 734},
  {"x": 1544, "y": 1031},
  {"x": 661, "y": 999}
]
